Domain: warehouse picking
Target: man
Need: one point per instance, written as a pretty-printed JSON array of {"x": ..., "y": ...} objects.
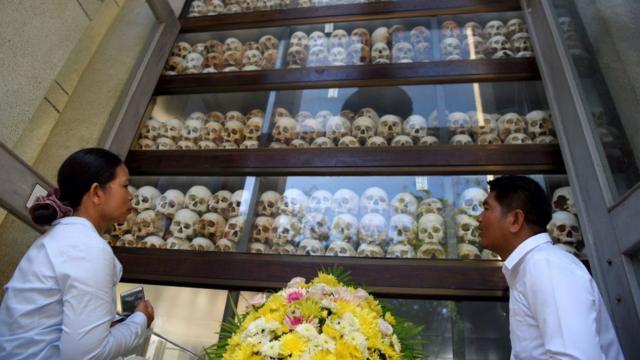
[{"x": 555, "y": 309}]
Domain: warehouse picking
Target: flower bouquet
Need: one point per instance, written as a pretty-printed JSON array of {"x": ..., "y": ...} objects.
[{"x": 318, "y": 320}]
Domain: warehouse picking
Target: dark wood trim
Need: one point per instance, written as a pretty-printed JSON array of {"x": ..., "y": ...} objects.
[
  {"x": 413, "y": 278},
  {"x": 433, "y": 160},
  {"x": 345, "y": 13},
  {"x": 435, "y": 72}
]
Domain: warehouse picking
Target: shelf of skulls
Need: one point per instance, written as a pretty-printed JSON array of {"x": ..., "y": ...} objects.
[{"x": 210, "y": 15}]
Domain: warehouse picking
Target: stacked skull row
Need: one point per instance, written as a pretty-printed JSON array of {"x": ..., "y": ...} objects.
[
  {"x": 198, "y": 220},
  {"x": 359, "y": 47},
  {"x": 213, "y": 130},
  {"x": 494, "y": 40},
  {"x": 294, "y": 223},
  {"x": 214, "y": 56},
  {"x": 216, "y": 7},
  {"x": 564, "y": 228}
]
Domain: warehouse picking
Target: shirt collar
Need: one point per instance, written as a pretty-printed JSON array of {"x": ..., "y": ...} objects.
[
  {"x": 72, "y": 220},
  {"x": 526, "y": 246}
]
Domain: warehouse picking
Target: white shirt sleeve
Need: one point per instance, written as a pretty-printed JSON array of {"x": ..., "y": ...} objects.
[
  {"x": 87, "y": 280},
  {"x": 562, "y": 301}
]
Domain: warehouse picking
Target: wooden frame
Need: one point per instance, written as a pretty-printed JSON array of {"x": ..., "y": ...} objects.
[
  {"x": 344, "y": 13},
  {"x": 435, "y": 72},
  {"x": 409, "y": 278},
  {"x": 437, "y": 159}
]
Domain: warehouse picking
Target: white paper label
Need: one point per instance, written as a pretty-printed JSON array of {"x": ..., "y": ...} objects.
[
  {"x": 421, "y": 183},
  {"x": 328, "y": 28},
  {"x": 37, "y": 191}
]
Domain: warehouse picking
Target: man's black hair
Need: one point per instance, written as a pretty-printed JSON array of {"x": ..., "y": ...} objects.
[{"x": 515, "y": 192}]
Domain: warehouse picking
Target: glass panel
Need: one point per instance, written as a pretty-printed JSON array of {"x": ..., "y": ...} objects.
[
  {"x": 217, "y": 7},
  {"x": 483, "y": 36},
  {"x": 600, "y": 38},
  {"x": 187, "y": 319},
  {"x": 461, "y": 114}
]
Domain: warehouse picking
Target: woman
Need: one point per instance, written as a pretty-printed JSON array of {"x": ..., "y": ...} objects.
[{"x": 60, "y": 302}]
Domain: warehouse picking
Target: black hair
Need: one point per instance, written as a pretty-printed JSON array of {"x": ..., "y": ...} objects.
[
  {"x": 514, "y": 192},
  {"x": 76, "y": 175}
]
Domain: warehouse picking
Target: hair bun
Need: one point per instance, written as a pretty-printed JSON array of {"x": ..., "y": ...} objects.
[{"x": 43, "y": 214}]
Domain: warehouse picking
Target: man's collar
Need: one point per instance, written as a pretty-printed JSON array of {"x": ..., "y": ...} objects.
[{"x": 524, "y": 248}]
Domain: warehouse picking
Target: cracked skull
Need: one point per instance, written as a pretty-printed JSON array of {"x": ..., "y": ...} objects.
[{"x": 184, "y": 224}]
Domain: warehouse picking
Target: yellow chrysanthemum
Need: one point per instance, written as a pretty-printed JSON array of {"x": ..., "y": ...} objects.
[
  {"x": 345, "y": 350},
  {"x": 309, "y": 308},
  {"x": 330, "y": 331},
  {"x": 326, "y": 279},
  {"x": 389, "y": 318},
  {"x": 292, "y": 345},
  {"x": 324, "y": 355},
  {"x": 343, "y": 307}
]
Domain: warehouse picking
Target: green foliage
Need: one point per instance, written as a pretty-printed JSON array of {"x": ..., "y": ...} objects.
[
  {"x": 227, "y": 329},
  {"x": 340, "y": 273}
]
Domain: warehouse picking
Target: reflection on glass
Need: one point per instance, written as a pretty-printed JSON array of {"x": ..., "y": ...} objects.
[{"x": 607, "y": 70}]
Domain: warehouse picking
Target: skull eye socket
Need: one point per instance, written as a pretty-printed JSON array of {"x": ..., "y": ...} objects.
[
  {"x": 575, "y": 229},
  {"x": 468, "y": 203},
  {"x": 465, "y": 227},
  {"x": 562, "y": 228},
  {"x": 187, "y": 226},
  {"x": 436, "y": 229}
]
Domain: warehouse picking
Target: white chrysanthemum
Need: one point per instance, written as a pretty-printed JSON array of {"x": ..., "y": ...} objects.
[
  {"x": 396, "y": 343},
  {"x": 328, "y": 304},
  {"x": 320, "y": 291},
  {"x": 358, "y": 339},
  {"x": 385, "y": 327},
  {"x": 259, "y": 327},
  {"x": 349, "y": 323},
  {"x": 271, "y": 349},
  {"x": 307, "y": 331},
  {"x": 323, "y": 342}
]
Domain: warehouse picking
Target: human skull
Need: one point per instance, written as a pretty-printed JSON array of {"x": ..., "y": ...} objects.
[
  {"x": 404, "y": 203},
  {"x": 248, "y": 5},
  {"x": 539, "y": 123},
  {"x": 319, "y": 202},
  {"x": 545, "y": 139},
  {"x": 340, "y": 248},
  {"x": 374, "y": 200},
  {"x": 518, "y": 138},
  {"x": 489, "y": 139},
  {"x": 389, "y": 127},
  {"x": 337, "y": 128},
  {"x": 193, "y": 63},
  {"x": 215, "y": 7},
  {"x": 472, "y": 28},
  {"x": 468, "y": 252},
  {"x": 310, "y": 129},
  {"x": 253, "y": 128},
  {"x": 252, "y": 57},
  {"x": 262, "y": 229},
  {"x": 431, "y": 251},
  {"x": 268, "y": 42},
  {"x": 165, "y": 144},
  {"x": 358, "y": 54},
  {"x": 293, "y": 203},
  {"x": 125, "y": 227},
  {"x": 564, "y": 228},
  {"x": 173, "y": 66},
  {"x": 345, "y": 201},
  {"x": 430, "y": 206},
  {"x": 450, "y": 29},
  {"x": 233, "y": 228},
  {"x": 521, "y": 42},
  {"x": 373, "y": 229},
  {"x": 148, "y": 222},
  {"x": 497, "y": 44},
  {"x": 219, "y": 203},
  {"x": 562, "y": 200},
  {"x": 370, "y": 250},
  {"x": 234, "y": 116},
  {"x": 318, "y": 56},
  {"x": 152, "y": 242},
  {"x": 368, "y": 112},
  {"x": 381, "y": 35},
  {"x": 459, "y": 123},
  {"x": 344, "y": 228},
  {"x": 489, "y": 255},
  {"x": 403, "y": 53},
  {"x": 376, "y": 141},
  {"x": 285, "y": 229},
  {"x": 310, "y": 247},
  {"x": 484, "y": 123},
  {"x": 415, "y": 126},
  {"x": 186, "y": 145},
  {"x": 402, "y": 140},
  {"x": 494, "y": 28},
  {"x": 259, "y": 248},
  {"x": 339, "y": 38},
  {"x": 174, "y": 243},
  {"x": 249, "y": 144},
  {"x": 318, "y": 39},
  {"x": 299, "y": 39},
  {"x": 268, "y": 203},
  {"x": 285, "y": 130},
  {"x": 510, "y": 123},
  {"x": 515, "y": 26},
  {"x": 461, "y": 139},
  {"x": 428, "y": 141},
  {"x": 197, "y": 198},
  {"x": 197, "y": 8},
  {"x": 215, "y": 116},
  {"x": 238, "y": 204},
  {"x": 420, "y": 34},
  {"x": 363, "y": 128},
  {"x": 401, "y": 251},
  {"x": 170, "y": 202},
  {"x": 146, "y": 144},
  {"x": 181, "y": 49},
  {"x": 225, "y": 245},
  {"x": 211, "y": 226},
  {"x": 184, "y": 224},
  {"x": 471, "y": 201},
  {"x": 474, "y": 47},
  {"x": 402, "y": 229},
  {"x": 301, "y": 116},
  {"x": 201, "y": 244},
  {"x": 361, "y": 36},
  {"x": 287, "y": 249},
  {"x": 450, "y": 47},
  {"x": 315, "y": 226},
  {"x": 145, "y": 198},
  {"x": 467, "y": 229},
  {"x": 192, "y": 129},
  {"x": 234, "y": 132},
  {"x": 214, "y": 46},
  {"x": 322, "y": 142},
  {"x": 323, "y": 117},
  {"x": 422, "y": 52},
  {"x": 380, "y": 53},
  {"x": 431, "y": 228},
  {"x": 151, "y": 129},
  {"x": 128, "y": 240},
  {"x": 338, "y": 56},
  {"x": 171, "y": 129},
  {"x": 233, "y": 44}
]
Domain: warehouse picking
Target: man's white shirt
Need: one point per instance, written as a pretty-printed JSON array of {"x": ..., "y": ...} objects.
[
  {"x": 555, "y": 308},
  {"x": 60, "y": 302}
]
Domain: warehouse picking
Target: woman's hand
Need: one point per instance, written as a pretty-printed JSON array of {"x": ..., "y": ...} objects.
[{"x": 146, "y": 308}]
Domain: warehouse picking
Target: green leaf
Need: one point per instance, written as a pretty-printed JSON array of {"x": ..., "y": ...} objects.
[{"x": 340, "y": 273}]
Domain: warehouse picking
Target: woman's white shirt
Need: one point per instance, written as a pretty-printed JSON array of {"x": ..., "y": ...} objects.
[{"x": 60, "y": 302}]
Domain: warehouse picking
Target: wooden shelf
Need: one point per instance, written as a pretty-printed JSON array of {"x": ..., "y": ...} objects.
[
  {"x": 432, "y": 160},
  {"x": 344, "y": 13},
  {"x": 409, "y": 278},
  {"x": 435, "y": 72}
]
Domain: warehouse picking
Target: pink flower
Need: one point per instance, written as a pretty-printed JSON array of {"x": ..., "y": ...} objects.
[
  {"x": 296, "y": 282},
  {"x": 292, "y": 321},
  {"x": 258, "y": 300},
  {"x": 293, "y": 295},
  {"x": 361, "y": 295}
]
